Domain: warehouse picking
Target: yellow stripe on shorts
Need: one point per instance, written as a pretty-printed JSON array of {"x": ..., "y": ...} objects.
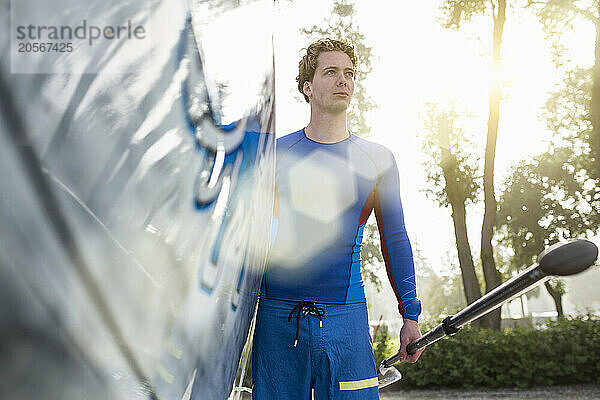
[{"x": 356, "y": 385}]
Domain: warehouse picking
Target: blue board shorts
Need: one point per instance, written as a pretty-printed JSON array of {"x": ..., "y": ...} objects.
[{"x": 302, "y": 346}]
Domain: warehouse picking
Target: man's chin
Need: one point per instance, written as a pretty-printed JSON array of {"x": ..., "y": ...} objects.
[{"x": 338, "y": 108}]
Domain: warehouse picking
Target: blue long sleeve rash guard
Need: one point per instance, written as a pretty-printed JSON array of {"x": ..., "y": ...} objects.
[{"x": 324, "y": 196}]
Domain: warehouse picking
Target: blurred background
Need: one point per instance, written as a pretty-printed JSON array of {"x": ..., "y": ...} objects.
[
  {"x": 451, "y": 86},
  {"x": 492, "y": 109}
]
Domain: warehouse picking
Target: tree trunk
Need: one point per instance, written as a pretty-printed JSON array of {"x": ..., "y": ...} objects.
[
  {"x": 557, "y": 297},
  {"x": 467, "y": 268},
  {"x": 490, "y": 273},
  {"x": 457, "y": 201}
]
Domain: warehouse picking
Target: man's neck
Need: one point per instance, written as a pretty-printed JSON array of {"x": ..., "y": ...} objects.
[{"x": 327, "y": 129}]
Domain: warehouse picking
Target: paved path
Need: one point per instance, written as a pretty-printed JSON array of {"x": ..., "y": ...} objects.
[{"x": 576, "y": 392}]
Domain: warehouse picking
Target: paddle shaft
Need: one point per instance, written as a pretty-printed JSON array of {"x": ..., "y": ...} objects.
[
  {"x": 518, "y": 285},
  {"x": 573, "y": 258},
  {"x": 492, "y": 300}
]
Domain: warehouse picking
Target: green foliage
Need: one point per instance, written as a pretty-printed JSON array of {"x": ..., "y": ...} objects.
[
  {"x": 552, "y": 197},
  {"x": 442, "y": 294},
  {"x": 341, "y": 26},
  {"x": 568, "y": 109},
  {"x": 569, "y": 116},
  {"x": 245, "y": 364},
  {"x": 565, "y": 352},
  {"x": 450, "y": 154},
  {"x": 560, "y": 16},
  {"x": 370, "y": 255},
  {"x": 547, "y": 199},
  {"x": 383, "y": 344},
  {"x": 558, "y": 285},
  {"x": 457, "y": 11},
  {"x": 452, "y": 173}
]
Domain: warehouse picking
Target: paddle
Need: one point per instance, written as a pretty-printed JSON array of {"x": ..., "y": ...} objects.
[{"x": 562, "y": 259}]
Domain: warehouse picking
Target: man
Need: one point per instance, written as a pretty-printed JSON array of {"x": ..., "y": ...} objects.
[{"x": 312, "y": 325}]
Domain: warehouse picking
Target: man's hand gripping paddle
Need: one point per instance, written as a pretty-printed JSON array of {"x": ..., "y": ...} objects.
[{"x": 562, "y": 259}]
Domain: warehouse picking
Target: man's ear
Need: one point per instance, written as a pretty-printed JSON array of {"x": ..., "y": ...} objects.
[{"x": 306, "y": 89}]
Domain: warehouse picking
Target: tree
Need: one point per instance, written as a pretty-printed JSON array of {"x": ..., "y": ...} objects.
[
  {"x": 551, "y": 197},
  {"x": 457, "y": 11},
  {"x": 545, "y": 202},
  {"x": 341, "y": 26},
  {"x": 568, "y": 117},
  {"x": 382, "y": 344},
  {"x": 370, "y": 255},
  {"x": 452, "y": 172},
  {"x": 573, "y": 113},
  {"x": 556, "y": 289},
  {"x": 557, "y": 17},
  {"x": 444, "y": 291}
]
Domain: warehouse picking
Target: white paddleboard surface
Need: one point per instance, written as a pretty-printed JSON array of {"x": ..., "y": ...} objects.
[{"x": 137, "y": 191}]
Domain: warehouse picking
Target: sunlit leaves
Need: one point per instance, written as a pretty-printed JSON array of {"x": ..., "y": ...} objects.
[
  {"x": 457, "y": 11},
  {"x": 546, "y": 199},
  {"x": 343, "y": 9},
  {"x": 371, "y": 258},
  {"x": 341, "y": 25},
  {"x": 452, "y": 163},
  {"x": 567, "y": 111},
  {"x": 561, "y": 198},
  {"x": 558, "y": 16},
  {"x": 444, "y": 295}
]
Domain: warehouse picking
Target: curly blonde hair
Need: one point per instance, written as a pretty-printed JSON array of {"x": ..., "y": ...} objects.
[{"x": 308, "y": 64}]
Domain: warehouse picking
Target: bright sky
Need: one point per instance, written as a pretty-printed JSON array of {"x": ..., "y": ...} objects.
[{"x": 416, "y": 61}]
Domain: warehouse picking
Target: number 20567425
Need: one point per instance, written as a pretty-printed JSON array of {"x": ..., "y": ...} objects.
[{"x": 48, "y": 47}]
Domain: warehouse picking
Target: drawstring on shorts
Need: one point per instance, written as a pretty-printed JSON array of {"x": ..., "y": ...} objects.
[{"x": 306, "y": 308}]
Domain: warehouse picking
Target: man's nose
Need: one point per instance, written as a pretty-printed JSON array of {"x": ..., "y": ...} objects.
[{"x": 342, "y": 80}]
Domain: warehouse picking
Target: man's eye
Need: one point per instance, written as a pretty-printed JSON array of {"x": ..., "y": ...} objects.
[
  {"x": 330, "y": 72},
  {"x": 350, "y": 74}
]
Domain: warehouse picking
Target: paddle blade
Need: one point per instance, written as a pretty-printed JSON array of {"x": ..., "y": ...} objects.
[
  {"x": 563, "y": 259},
  {"x": 387, "y": 376}
]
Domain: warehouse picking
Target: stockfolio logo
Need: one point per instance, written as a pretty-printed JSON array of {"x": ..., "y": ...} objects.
[{"x": 75, "y": 37}]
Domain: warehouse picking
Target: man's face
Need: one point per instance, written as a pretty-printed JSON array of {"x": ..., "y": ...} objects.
[{"x": 333, "y": 84}]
